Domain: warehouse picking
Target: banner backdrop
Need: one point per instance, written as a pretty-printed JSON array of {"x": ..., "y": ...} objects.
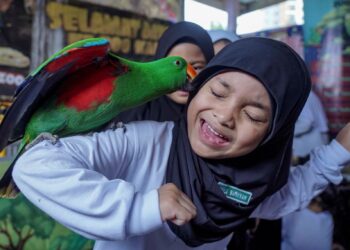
[
  {"x": 130, "y": 35},
  {"x": 162, "y": 9}
]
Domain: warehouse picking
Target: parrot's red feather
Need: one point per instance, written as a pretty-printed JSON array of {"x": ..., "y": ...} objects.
[
  {"x": 88, "y": 88},
  {"x": 81, "y": 57}
]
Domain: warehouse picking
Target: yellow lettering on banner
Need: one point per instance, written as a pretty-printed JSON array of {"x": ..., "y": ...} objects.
[
  {"x": 83, "y": 21},
  {"x": 97, "y": 23},
  {"x": 145, "y": 47},
  {"x": 158, "y": 30},
  {"x": 54, "y": 12},
  {"x": 70, "y": 18},
  {"x": 120, "y": 45},
  {"x": 151, "y": 48},
  {"x": 115, "y": 43},
  {"x": 146, "y": 30},
  {"x": 135, "y": 25},
  {"x": 138, "y": 46},
  {"x": 111, "y": 24},
  {"x": 73, "y": 37},
  {"x": 126, "y": 45},
  {"x": 152, "y": 31},
  {"x": 125, "y": 27},
  {"x": 79, "y": 24}
]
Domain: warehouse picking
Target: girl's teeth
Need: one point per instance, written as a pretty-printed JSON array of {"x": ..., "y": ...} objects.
[
  {"x": 214, "y": 132},
  {"x": 213, "y": 137}
]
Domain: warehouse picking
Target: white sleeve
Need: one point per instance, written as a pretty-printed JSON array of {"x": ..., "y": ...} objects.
[
  {"x": 75, "y": 182},
  {"x": 305, "y": 182}
]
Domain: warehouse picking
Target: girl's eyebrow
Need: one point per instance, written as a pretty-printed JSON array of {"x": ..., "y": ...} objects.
[
  {"x": 224, "y": 83},
  {"x": 251, "y": 103},
  {"x": 258, "y": 105},
  {"x": 197, "y": 61}
]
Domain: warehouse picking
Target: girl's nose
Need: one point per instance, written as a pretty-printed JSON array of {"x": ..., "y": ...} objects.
[{"x": 225, "y": 117}]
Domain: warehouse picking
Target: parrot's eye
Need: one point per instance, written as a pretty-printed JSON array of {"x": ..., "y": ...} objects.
[{"x": 178, "y": 63}]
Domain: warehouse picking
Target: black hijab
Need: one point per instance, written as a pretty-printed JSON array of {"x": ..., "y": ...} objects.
[
  {"x": 163, "y": 108},
  {"x": 261, "y": 172}
]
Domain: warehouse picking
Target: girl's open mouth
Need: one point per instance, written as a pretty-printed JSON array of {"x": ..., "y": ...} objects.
[{"x": 210, "y": 136}]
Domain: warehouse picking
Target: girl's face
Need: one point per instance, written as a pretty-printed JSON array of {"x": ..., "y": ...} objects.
[
  {"x": 229, "y": 116},
  {"x": 219, "y": 45},
  {"x": 194, "y": 56}
]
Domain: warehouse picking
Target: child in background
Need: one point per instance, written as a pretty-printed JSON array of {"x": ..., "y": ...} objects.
[
  {"x": 189, "y": 41},
  {"x": 312, "y": 227},
  {"x": 311, "y": 129},
  {"x": 221, "y": 38},
  {"x": 193, "y": 182}
]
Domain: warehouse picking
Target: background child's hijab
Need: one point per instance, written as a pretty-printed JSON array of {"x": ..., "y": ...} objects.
[
  {"x": 163, "y": 108},
  {"x": 185, "y": 32},
  {"x": 260, "y": 173}
]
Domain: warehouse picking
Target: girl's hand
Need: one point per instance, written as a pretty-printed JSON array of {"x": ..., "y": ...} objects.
[
  {"x": 175, "y": 205},
  {"x": 343, "y": 137}
]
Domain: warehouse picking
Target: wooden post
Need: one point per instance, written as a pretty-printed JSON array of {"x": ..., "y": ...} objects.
[{"x": 45, "y": 42}]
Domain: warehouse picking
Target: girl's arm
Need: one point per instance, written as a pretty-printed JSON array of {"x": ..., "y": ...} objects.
[
  {"x": 79, "y": 181},
  {"x": 307, "y": 181}
]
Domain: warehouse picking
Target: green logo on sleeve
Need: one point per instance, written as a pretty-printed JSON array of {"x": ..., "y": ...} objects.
[{"x": 236, "y": 194}]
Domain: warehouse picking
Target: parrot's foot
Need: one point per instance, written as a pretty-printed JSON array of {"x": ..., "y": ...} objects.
[
  {"x": 115, "y": 125},
  {"x": 43, "y": 137}
]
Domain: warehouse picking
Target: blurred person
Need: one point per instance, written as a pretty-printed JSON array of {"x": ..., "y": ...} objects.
[
  {"x": 311, "y": 227},
  {"x": 308, "y": 229},
  {"x": 311, "y": 129},
  {"x": 221, "y": 38},
  {"x": 5, "y": 5}
]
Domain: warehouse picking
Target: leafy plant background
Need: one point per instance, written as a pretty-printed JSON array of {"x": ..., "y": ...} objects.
[{"x": 25, "y": 227}]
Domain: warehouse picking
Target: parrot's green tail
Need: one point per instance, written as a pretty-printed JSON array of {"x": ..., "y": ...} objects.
[{"x": 8, "y": 188}]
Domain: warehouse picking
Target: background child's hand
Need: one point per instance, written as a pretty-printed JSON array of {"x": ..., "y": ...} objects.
[
  {"x": 343, "y": 137},
  {"x": 175, "y": 205}
]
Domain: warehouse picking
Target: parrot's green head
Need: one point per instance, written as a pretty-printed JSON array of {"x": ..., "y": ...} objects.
[{"x": 144, "y": 81}]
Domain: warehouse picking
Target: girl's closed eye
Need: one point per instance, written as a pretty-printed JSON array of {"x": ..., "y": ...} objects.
[
  {"x": 254, "y": 118},
  {"x": 217, "y": 93}
]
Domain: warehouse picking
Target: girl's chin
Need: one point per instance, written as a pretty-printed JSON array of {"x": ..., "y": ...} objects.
[{"x": 207, "y": 153}]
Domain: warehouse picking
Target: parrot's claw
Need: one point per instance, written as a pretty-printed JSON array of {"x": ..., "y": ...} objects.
[
  {"x": 43, "y": 137},
  {"x": 115, "y": 125}
]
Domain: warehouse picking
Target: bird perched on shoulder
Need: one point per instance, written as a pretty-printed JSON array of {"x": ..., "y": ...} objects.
[{"x": 81, "y": 88}]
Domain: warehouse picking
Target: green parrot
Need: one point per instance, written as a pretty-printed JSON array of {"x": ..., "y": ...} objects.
[{"x": 81, "y": 88}]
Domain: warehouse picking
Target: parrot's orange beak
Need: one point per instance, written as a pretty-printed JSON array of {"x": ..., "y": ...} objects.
[{"x": 191, "y": 73}]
